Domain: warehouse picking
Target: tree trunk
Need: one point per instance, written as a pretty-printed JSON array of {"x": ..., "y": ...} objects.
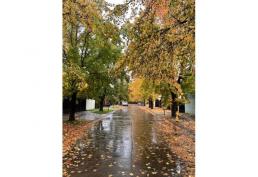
[
  {"x": 173, "y": 106},
  {"x": 144, "y": 102},
  {"x": 72, "y": 107},
  {"x": 101, "y": 103},
  {"x": 150, "y": 103}
]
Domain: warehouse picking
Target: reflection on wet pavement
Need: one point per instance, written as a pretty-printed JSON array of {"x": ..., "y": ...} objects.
[{"x": 123, "y": 144}]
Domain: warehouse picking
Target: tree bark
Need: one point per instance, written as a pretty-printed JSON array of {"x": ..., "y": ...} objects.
[
  {"x": 101, "y": 103},
  {"x": 72, "y": 107},
  {"x": 173, "y": 106},
  {"x": 150, "y": 103}
]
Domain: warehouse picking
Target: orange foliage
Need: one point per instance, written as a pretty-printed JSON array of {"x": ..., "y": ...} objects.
[{"x": 134, "y": 90}]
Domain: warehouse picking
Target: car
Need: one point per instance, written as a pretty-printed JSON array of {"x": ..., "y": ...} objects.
[
  {"x": 140, "y": 103},
  {"x": 124, "y": 103}
]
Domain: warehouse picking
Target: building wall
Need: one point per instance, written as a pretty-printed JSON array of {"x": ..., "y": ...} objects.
[
  {"x": 190, "y": 107},
  {"x": 90, "y": 104}
]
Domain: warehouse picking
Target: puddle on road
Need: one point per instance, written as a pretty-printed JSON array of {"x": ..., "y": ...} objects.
[{"x": 124, "y": 144}]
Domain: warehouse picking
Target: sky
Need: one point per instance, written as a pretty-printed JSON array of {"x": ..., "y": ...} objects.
[{"x": 116, "y": 1}]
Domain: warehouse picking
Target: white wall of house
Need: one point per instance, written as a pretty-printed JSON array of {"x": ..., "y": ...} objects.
[
  {"x": 90, "y": 104},
  {"x": 190, "y": 107}
]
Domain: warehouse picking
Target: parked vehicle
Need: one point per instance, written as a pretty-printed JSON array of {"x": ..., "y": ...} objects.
[
  {"x": 140, "y": 103},
  {"x": 124, "y": 103}
]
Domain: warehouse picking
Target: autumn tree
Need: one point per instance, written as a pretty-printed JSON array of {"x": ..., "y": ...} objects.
[
  {"x": 78, "y": 24},
  {"x": 148, "y": 92},
  {"x": 90, "y": 50},
  {"x": 135, "y": 94},
  {"x": 142, "y": 89},
  {"x": 121, "y": 87},
  {"x": 74, "y": 84},
  {"x": 161, "y": 44},
  {"x": 104, "y": 52}
]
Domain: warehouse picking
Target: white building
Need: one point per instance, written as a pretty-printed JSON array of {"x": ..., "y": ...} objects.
[
  {"x": 90, "y": 104},
  {"x": 190, "y": 107}
]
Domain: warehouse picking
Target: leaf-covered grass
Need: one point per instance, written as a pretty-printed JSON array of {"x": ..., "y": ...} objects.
[
  {"x": 73, "y": 131},
  {"x": 105, "y": 111}
]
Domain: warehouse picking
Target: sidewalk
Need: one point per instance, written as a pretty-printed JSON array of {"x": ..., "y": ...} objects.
[
  {"x": 157, "y": 111},
  {"x": 180, "y": 136},
  {"x": 90, "y": 116}
]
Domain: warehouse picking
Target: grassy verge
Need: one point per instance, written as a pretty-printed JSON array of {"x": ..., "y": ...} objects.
[{"x": 105, "y": 111}]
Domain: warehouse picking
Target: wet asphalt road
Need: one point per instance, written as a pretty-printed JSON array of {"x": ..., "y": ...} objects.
[{"x": 125, "y": 143}]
